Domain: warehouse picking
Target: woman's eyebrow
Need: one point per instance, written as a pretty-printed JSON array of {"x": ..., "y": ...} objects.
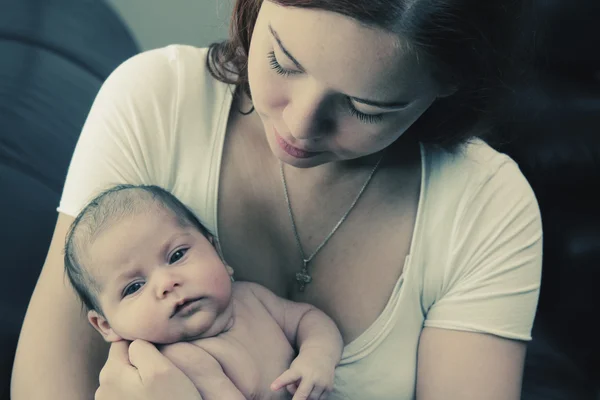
[
  {"x": 285, "y": 51},
  {"x": 374, "y": 103}
]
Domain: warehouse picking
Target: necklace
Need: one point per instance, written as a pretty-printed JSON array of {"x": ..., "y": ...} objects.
[{"x": 303, "y": 277}]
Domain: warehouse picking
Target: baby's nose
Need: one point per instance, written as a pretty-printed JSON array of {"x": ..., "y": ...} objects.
[{"x": 166, "y": 284}]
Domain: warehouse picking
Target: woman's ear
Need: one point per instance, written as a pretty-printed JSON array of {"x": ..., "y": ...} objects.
[{"x": 101, "y": 325}]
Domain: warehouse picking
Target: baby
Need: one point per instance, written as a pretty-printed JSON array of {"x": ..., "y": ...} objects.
[{"x": 145, "y": 268}]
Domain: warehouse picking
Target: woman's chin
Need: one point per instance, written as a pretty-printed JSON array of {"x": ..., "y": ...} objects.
[{"x": 296, "y": 162}]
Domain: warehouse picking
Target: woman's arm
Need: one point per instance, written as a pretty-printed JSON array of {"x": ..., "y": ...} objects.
[
  {"x": 138, "y": 371},
  {"x": 456, "y": 365},
  {"x": 59, "y": 355},
  {"x": 203, "y": 370}
]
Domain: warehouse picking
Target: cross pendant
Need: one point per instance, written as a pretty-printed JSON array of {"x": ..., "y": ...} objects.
[{"x": 303, "y": 277}]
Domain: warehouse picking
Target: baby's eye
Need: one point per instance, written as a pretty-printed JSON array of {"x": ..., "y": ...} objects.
[
  {"x": 131, "y": 289},
  {"x": 178, "y": 255}
]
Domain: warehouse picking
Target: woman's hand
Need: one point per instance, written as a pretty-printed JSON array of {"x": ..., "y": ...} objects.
[{"x": 138, "y": 371}]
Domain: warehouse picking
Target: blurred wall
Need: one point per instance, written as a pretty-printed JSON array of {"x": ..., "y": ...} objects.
[{"x": 157, "y": 23}]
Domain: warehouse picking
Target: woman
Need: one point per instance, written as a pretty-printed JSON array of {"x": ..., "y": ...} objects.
[{"x": 335, "y": 135}]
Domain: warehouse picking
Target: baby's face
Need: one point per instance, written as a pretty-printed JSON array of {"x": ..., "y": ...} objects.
[{"x": 158, "y": 281}]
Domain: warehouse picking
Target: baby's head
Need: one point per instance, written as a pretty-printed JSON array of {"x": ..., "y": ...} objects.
[{"x": 146, "y": 268}]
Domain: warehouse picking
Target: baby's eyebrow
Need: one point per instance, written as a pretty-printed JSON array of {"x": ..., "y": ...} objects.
[{"x": 114, "y": 283}]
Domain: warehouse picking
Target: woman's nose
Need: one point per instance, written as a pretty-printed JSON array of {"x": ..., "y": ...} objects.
[{"x": 306, "y": 115}]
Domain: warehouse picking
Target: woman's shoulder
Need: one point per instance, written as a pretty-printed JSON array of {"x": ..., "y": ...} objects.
[
  {"x": 173, "y": 71},
  {"x": 480, "y": 241},
  {"x": 469, "y": 166},
  {"x": 171, "y": 54},
  {"x": 159, "y": 98},
  {"x": 144, "y": 126},
  {"x": 475, "y": 176}
]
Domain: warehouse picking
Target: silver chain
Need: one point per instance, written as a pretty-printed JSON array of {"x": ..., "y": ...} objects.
[{"x": 304, "y": 277}]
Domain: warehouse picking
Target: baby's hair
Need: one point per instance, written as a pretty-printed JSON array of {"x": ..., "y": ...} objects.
[{"x": 113, "y": 205}]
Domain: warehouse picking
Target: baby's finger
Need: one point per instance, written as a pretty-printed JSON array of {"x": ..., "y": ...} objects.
[
  {"x": 324, "y": 395},
  {"x": 303, "y": 390},
  {"x": 288, "y": 377},
  {"x": 316, "y": 393},
  {"x": 292, "y": 388}
]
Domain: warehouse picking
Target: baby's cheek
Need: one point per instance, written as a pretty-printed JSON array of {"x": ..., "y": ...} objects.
[
  {"x": 222, "y": 288},
  {"x": 141, "y": 323}
]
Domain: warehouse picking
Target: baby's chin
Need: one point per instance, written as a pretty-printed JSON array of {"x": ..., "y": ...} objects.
[
  {"x": 160, "y": 338},
  {"x": 169, "y": 337},
  {"x": 208, "y": 327}
]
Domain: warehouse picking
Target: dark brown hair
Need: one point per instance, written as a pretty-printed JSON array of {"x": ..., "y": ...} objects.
[{"x": 466, "y": 43}]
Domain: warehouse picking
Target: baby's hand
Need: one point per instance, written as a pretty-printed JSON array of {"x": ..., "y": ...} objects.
[{"x": 310, "y": 376}]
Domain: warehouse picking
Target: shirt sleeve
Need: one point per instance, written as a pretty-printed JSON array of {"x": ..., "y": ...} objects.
[
  {"x": 127, "y": 130},
  {"x": 492, "y": 278}
]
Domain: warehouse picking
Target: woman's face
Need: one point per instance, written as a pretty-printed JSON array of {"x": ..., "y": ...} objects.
[{"x": 329, "y": 89}]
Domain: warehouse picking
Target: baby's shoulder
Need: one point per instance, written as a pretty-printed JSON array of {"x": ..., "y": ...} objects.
[
  {"x": 244, "y": 295},
  {"x": 246, "y": 290},
  {"x": 256, "y": 301}
]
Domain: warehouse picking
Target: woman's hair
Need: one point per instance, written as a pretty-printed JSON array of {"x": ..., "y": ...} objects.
[{"x": 466, "y": 43}]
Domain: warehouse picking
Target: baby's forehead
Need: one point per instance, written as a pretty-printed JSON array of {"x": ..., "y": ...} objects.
[
  {"x": 100, "y": 274},
  {"x": 124, "y": 246},
  {"x": 106, "y": 278}
]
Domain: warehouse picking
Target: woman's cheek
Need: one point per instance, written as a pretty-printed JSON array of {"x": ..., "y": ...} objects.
[
  {"x": 275, "y": 95},
  {"x": 268, "y": 91}
]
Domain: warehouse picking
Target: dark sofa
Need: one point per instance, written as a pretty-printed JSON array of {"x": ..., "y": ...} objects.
[
  {"x": 54, "y": 55},
  {"x": 550, "y": 117}
]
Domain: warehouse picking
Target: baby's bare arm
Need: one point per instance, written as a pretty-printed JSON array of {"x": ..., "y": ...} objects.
[
  {"x": 317, "y": 338},
  {"x": 305, "y": 326}
]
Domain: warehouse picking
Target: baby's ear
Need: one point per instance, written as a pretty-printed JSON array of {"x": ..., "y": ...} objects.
[
  {"x": 210, "y": 238},
  {"x": 101, "y": 325}
]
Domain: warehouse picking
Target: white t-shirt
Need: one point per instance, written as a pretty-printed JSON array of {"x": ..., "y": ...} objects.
[{"x": 476, "y": 253}]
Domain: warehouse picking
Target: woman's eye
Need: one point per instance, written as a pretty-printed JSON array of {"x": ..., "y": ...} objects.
[
  {"x": 363, "y": 117},
  {"x": 131, "y": 289},
  {"x": 277, "y": 67},
  {"x": 368, "y": 118},
  {"x": 178, "y": 255}
]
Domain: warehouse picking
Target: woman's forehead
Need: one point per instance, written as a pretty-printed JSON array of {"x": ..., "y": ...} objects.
[{"x": 344, "y": 54}]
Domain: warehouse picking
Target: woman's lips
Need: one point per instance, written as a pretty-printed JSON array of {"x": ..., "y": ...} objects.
[{"x": 291, "y": 150}]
